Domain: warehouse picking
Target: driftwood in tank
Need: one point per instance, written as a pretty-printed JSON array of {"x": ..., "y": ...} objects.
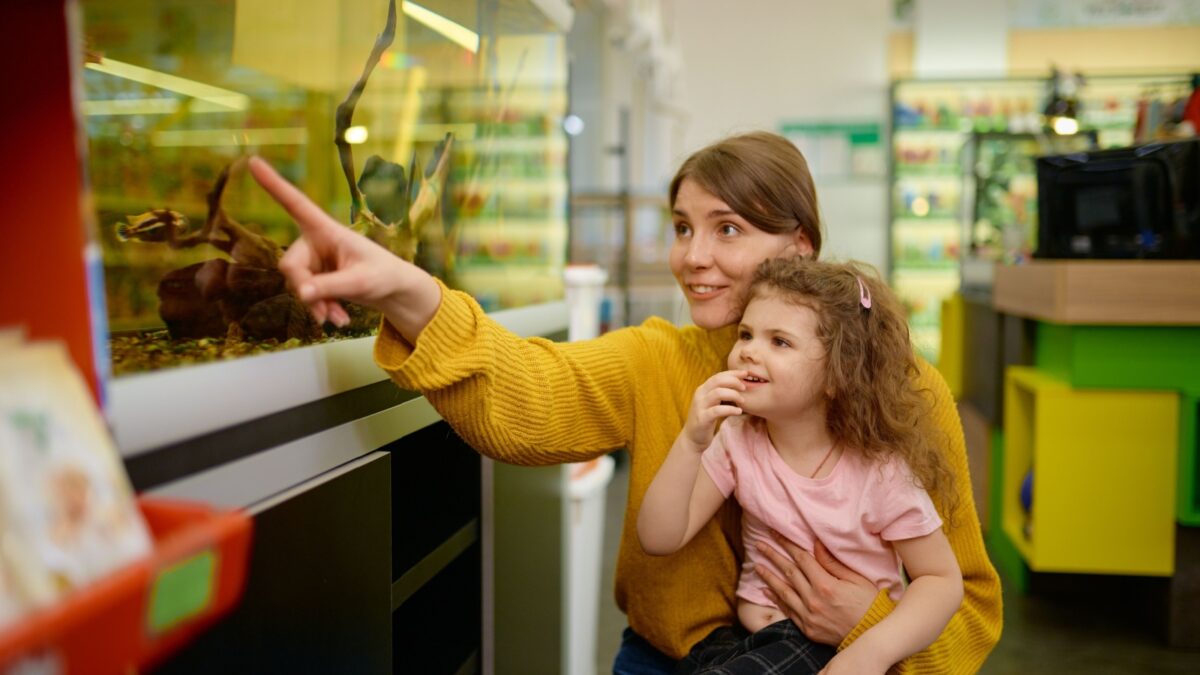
[
  {"x": 246, "y": 296},
  {"x": 245, "y": 246}
]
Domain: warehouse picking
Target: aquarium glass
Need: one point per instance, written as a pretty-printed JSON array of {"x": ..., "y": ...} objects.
[{"x": 455, "y": 143}]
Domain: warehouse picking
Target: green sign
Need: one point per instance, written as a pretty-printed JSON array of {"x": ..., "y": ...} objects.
[{"x": 846, "y": 149}]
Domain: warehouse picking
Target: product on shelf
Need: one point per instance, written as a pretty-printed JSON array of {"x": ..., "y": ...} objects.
[{"x": 67, "y": 513}]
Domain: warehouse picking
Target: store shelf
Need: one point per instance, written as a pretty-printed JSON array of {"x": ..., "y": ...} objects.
[
  {"x": 516, "y": 144},
  {"x": 138, "y": 616},
  {"x": 928, "y": 130},
  {"x": 954, "y": 179},
  {"x": 927, "y": 342},
  {"x": 928, "y": 171},
  {"x": 549, "y": 184},
  {"x": 933, "y": 216},
  {"x": 1101, "y": 291},
  {"x": 1104, "y": 468},
  {"x": 926, "y": 222},
  {"x": 529, "y": 226},
  {"x": 948, "y": 266}
]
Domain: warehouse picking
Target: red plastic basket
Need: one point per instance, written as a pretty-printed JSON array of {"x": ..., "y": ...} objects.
[{"x": 137, "y": 616}]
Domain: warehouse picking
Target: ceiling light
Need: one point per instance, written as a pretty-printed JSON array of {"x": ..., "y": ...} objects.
[
  {"x": 573, "y": 125},
  {"x": 1064, "y": 126}
]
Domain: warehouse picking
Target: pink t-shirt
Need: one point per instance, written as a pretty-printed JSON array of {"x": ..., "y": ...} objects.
[{"x": 856, "y": 511}]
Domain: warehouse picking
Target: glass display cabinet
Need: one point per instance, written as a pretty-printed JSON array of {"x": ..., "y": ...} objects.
[
  {"x": 936, "y": 168},
  {"x": 1001, "y": 222},
  {"x": 434, "y": 128}
]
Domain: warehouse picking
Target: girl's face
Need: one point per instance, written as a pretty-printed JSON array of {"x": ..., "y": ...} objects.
[
  {"x": 777, "y": 345},
  {"x": 716, "y": 252}
]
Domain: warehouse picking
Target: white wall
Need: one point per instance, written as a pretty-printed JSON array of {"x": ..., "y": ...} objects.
[
  {"x": 960, "y": 37},
  {"x": 754, "y": 64}
]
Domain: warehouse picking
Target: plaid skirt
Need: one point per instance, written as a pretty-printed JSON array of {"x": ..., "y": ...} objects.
[{"x": 778, "y": 649}]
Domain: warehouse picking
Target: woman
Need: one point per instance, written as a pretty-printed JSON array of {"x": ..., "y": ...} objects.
[{"x": 735, "y": 204}]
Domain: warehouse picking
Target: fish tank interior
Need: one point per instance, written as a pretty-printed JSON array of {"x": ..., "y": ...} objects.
[
  {"x": 433, "y": 128},
  {"x": 1002, "y": 190}
]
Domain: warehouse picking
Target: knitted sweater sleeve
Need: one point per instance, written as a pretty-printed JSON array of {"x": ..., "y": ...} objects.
[
  {"x": 975, "y": 628},
  {"x": 524, "y": 401}
]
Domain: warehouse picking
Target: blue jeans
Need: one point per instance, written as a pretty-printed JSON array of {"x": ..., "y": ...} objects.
[{"x": 638, "y": 657}]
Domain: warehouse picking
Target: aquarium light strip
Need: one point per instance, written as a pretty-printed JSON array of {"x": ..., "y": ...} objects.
[
  {"x": 147, "y": 106},
  {"x": 205, "y": 92},
  {"x": 456, "y": 33},
  {"x": 229, "y": 137}
]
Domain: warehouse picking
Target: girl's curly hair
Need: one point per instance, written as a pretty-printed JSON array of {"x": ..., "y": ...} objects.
[{"x": 875, "y": 404}]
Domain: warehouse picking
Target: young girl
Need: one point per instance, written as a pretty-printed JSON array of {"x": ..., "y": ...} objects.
[{"x": 827, "y": 442}]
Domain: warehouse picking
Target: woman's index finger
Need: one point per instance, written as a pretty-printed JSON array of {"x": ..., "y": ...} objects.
[{"x": 302, "y": 209}]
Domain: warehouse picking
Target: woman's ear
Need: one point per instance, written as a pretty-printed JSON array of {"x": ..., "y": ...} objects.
[{"x": 801, "y": 244}]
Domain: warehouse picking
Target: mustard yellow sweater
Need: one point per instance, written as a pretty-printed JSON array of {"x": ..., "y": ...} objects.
[{"x": 536, "y": 402}]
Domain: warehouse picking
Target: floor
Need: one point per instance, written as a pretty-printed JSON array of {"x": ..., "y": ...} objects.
[{"x": 1061, "y": 626}]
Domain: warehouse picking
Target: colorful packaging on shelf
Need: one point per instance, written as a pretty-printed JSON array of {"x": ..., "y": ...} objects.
[{"x": 67, "y": 511}]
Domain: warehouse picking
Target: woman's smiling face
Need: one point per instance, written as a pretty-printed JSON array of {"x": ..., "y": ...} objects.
[{"x": 716, "y": 252}]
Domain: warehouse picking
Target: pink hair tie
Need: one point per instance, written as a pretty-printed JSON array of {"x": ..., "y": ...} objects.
[{"x": 864, "y": 296}]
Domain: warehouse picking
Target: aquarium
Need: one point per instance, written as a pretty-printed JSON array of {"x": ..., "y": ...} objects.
[
  {"x": 1002, "y": 189},
  {"x": 433, "y": 128}
]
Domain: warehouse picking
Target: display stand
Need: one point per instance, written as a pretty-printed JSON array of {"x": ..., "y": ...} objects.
[
  {"x": 1106, "y": 420},
  {"x": 1101, "y": 292},
  {"x": 1103, "y": 472},
  {"x": 139, "y": 615}
]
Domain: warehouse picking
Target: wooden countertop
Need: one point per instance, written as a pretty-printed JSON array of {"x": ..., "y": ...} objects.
[{"x": 1102, "y": 292}]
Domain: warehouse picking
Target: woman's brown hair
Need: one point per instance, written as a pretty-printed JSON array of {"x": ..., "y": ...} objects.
[
  {"x": 875, "y": 404},
  {"x": 763, "y": 177}
]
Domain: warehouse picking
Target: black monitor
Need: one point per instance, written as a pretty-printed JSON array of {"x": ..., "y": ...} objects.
[{"x": 1136, "y": 202}]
